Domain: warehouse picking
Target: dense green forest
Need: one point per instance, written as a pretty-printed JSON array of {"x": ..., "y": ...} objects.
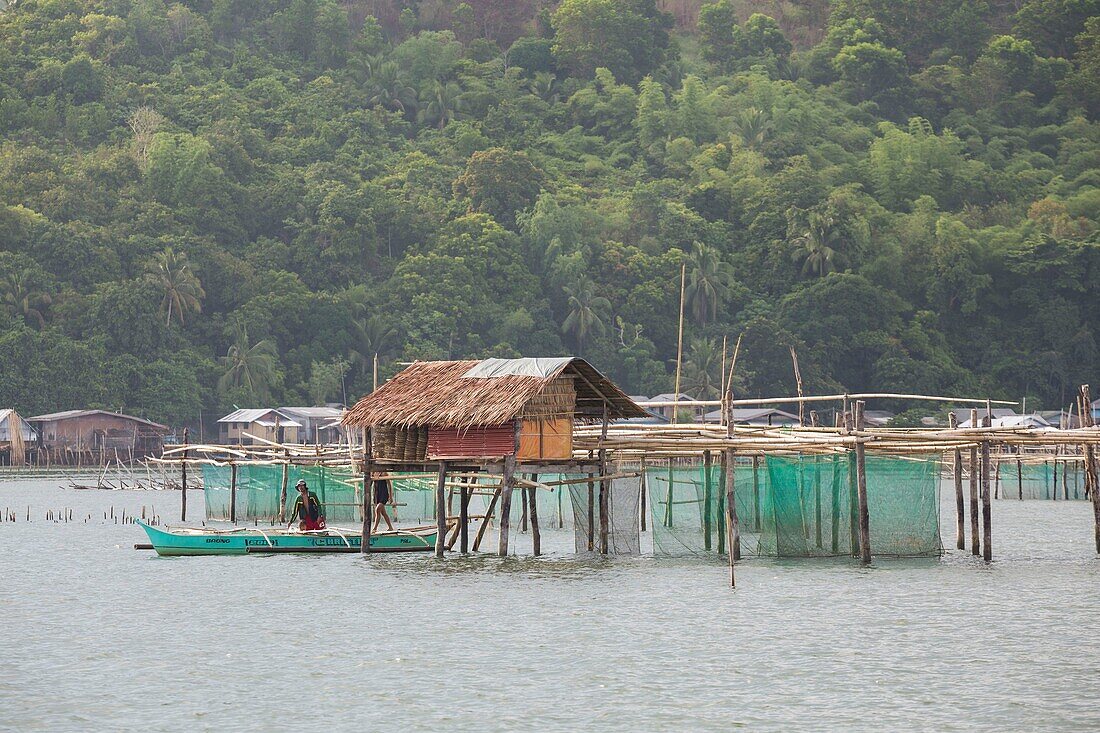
[{"x": 241, "y": 202}]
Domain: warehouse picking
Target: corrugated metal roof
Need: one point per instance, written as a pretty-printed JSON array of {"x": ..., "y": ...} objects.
[
  {"x": 69, "y": 414},
  {"x": 528, "y": 367},
  {"x": 312, "y": 412},
  {"x": 248, "y": 414},
  {"x": 744, "y": 415}
]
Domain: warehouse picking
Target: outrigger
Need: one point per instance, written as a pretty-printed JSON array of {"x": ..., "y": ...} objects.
[{"x": 252, "y": 540}]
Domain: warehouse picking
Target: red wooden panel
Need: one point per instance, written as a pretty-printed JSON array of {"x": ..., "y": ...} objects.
[{"x": 481, "y": 440}]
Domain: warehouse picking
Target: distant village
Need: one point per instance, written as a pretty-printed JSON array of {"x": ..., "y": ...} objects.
[{"x": 93, "y": 437}]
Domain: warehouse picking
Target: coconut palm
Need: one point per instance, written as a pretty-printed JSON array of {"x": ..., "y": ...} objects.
[
  {"x": 545, "y": 86},
  {"x": 372, "y": 336},
  {"x": 708, "y": 282},
  {"x": 754, "y": 126},
  {"x": 439, "y": 103},
  {"x": 248, "y": 365},
  {"x": 816, "y": 240},
  {"x": 22, "y": 299},
  {"x": 588, "y": 313},
  {"x": 182, "y": 289},
  {"x": 388, "y": 88},
  {"x": 702, "y": 373}
]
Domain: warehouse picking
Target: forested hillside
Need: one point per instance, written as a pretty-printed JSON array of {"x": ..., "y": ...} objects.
[{"x": 238, "y": 202}]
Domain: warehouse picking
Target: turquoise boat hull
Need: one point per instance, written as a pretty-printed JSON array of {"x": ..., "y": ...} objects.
[{"x": 194, "y": 541}]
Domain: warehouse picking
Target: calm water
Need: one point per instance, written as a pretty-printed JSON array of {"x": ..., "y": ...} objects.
[{"x": 99, "y": 636}]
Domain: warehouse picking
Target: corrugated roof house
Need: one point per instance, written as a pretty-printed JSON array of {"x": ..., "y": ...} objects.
[
  {"x": 242, "y": 427},
  {"x": 317, "y": 422},
  {"x": 668, "y": 410},
  {"x": 99, "y": 431},
  {"x": 755, "y": 416}
]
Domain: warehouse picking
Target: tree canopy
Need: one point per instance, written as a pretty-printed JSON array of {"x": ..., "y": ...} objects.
[{"x": 232, "y": 203}]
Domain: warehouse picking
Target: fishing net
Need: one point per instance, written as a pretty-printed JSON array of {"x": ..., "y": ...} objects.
[
  {"x": 797, "y": 507},
  {"x": 623, "y": 537},
  {"x": 1047, "y": 480},
  {"x": 259, "y": 489},
  {"x": 340, "y": 492}
]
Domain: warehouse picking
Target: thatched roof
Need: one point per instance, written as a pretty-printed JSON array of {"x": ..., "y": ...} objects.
[{"x": 462, "y": 394}]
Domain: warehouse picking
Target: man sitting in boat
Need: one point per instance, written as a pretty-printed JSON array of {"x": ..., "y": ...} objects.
[{"x": 307, "y": 509}]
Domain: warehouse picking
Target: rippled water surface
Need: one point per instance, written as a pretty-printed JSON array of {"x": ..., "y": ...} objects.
[{"x": 100, "y": 636}]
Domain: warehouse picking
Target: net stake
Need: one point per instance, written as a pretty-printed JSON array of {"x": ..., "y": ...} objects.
[
  {"x": 861, "y": 488},
  {"x": 960, "y": 509},
  {"x": 987, "y": 508},
  {"x": 975, "y": 537}
]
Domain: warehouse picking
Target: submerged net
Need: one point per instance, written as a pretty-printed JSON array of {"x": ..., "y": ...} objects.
[
  {"x": 623, "y": 536},
  {"x": 797, "y": 507},
  {"x": 1053, "y": 480}
]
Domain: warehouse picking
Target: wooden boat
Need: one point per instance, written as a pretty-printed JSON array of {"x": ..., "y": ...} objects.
[{"x": 252, "y": 540}]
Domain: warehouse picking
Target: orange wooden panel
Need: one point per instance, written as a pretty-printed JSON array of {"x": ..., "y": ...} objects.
[
  {"x": 530, "y": 439},
  {"x": 557, "y": 438}
]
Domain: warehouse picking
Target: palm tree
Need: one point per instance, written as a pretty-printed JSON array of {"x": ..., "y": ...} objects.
[
  {"x": 182, "y": 289},
  {"x": 708, "y": 282},
  {"x": 588, "y": 313},
  {"x": 22, "y": 299},
  {"x": 248, "y": 365},
  {"x": 372, "y": 337},
  {"x": 388, "y": 88},
  {"x": 702, "y": 376},
  {"x": 754, "y": 126},
  {"x": 545, "y": 86},
  {"x": 439, "y": 103},
  {"x": 816, "y": 240}
]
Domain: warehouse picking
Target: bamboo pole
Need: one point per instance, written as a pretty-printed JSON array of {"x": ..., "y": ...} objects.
[
  {"x": 533, "y": 513},
  {"x": 861, "y": 486},
  {"x": 798, "y": 386},
  {"x": 707, "y": 500},
  {"x": 285, "y": 479},
  {"x": 960, "y": 509},
  {"x": 987, "y": 508},
  {"x": 733, "y": 535},
  {"x": 506, "y": 504},
  {"x": 679, "y": 343},
  {"x": 975, "y": 474},
  {"x": 464, "y": 519},
  {"x": 233, "y": 493},
  {"x": 605, "y": 489},
  {"x": 368, "y": 492},
  {"x": 1090, "y": 465},
  {"x": 441, "y": 510},
  {"x": 183, "y": 481},
  {"x": 507, "y": 484}
]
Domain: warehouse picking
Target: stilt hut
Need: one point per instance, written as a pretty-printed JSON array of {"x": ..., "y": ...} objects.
[
  {"x": 506, "y": 415},
  {"x": 15, "y": 434},
  {"x": 490, "y": 409}
]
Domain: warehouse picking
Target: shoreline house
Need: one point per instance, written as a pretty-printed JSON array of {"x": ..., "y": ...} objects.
[
  {"x": 757, "y": 416},
  {"x": 15, "y": 435},
  {"x": 667, "y": 411},
  {"x": 487, "y": 409},
  {"x": 1006, "y": 417},
  {"x": 97, "y": 433},
  {"x": 300, "y": 425},
  {"x": 245, "y": 426},
  {"x": 320, "y": 425}
]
